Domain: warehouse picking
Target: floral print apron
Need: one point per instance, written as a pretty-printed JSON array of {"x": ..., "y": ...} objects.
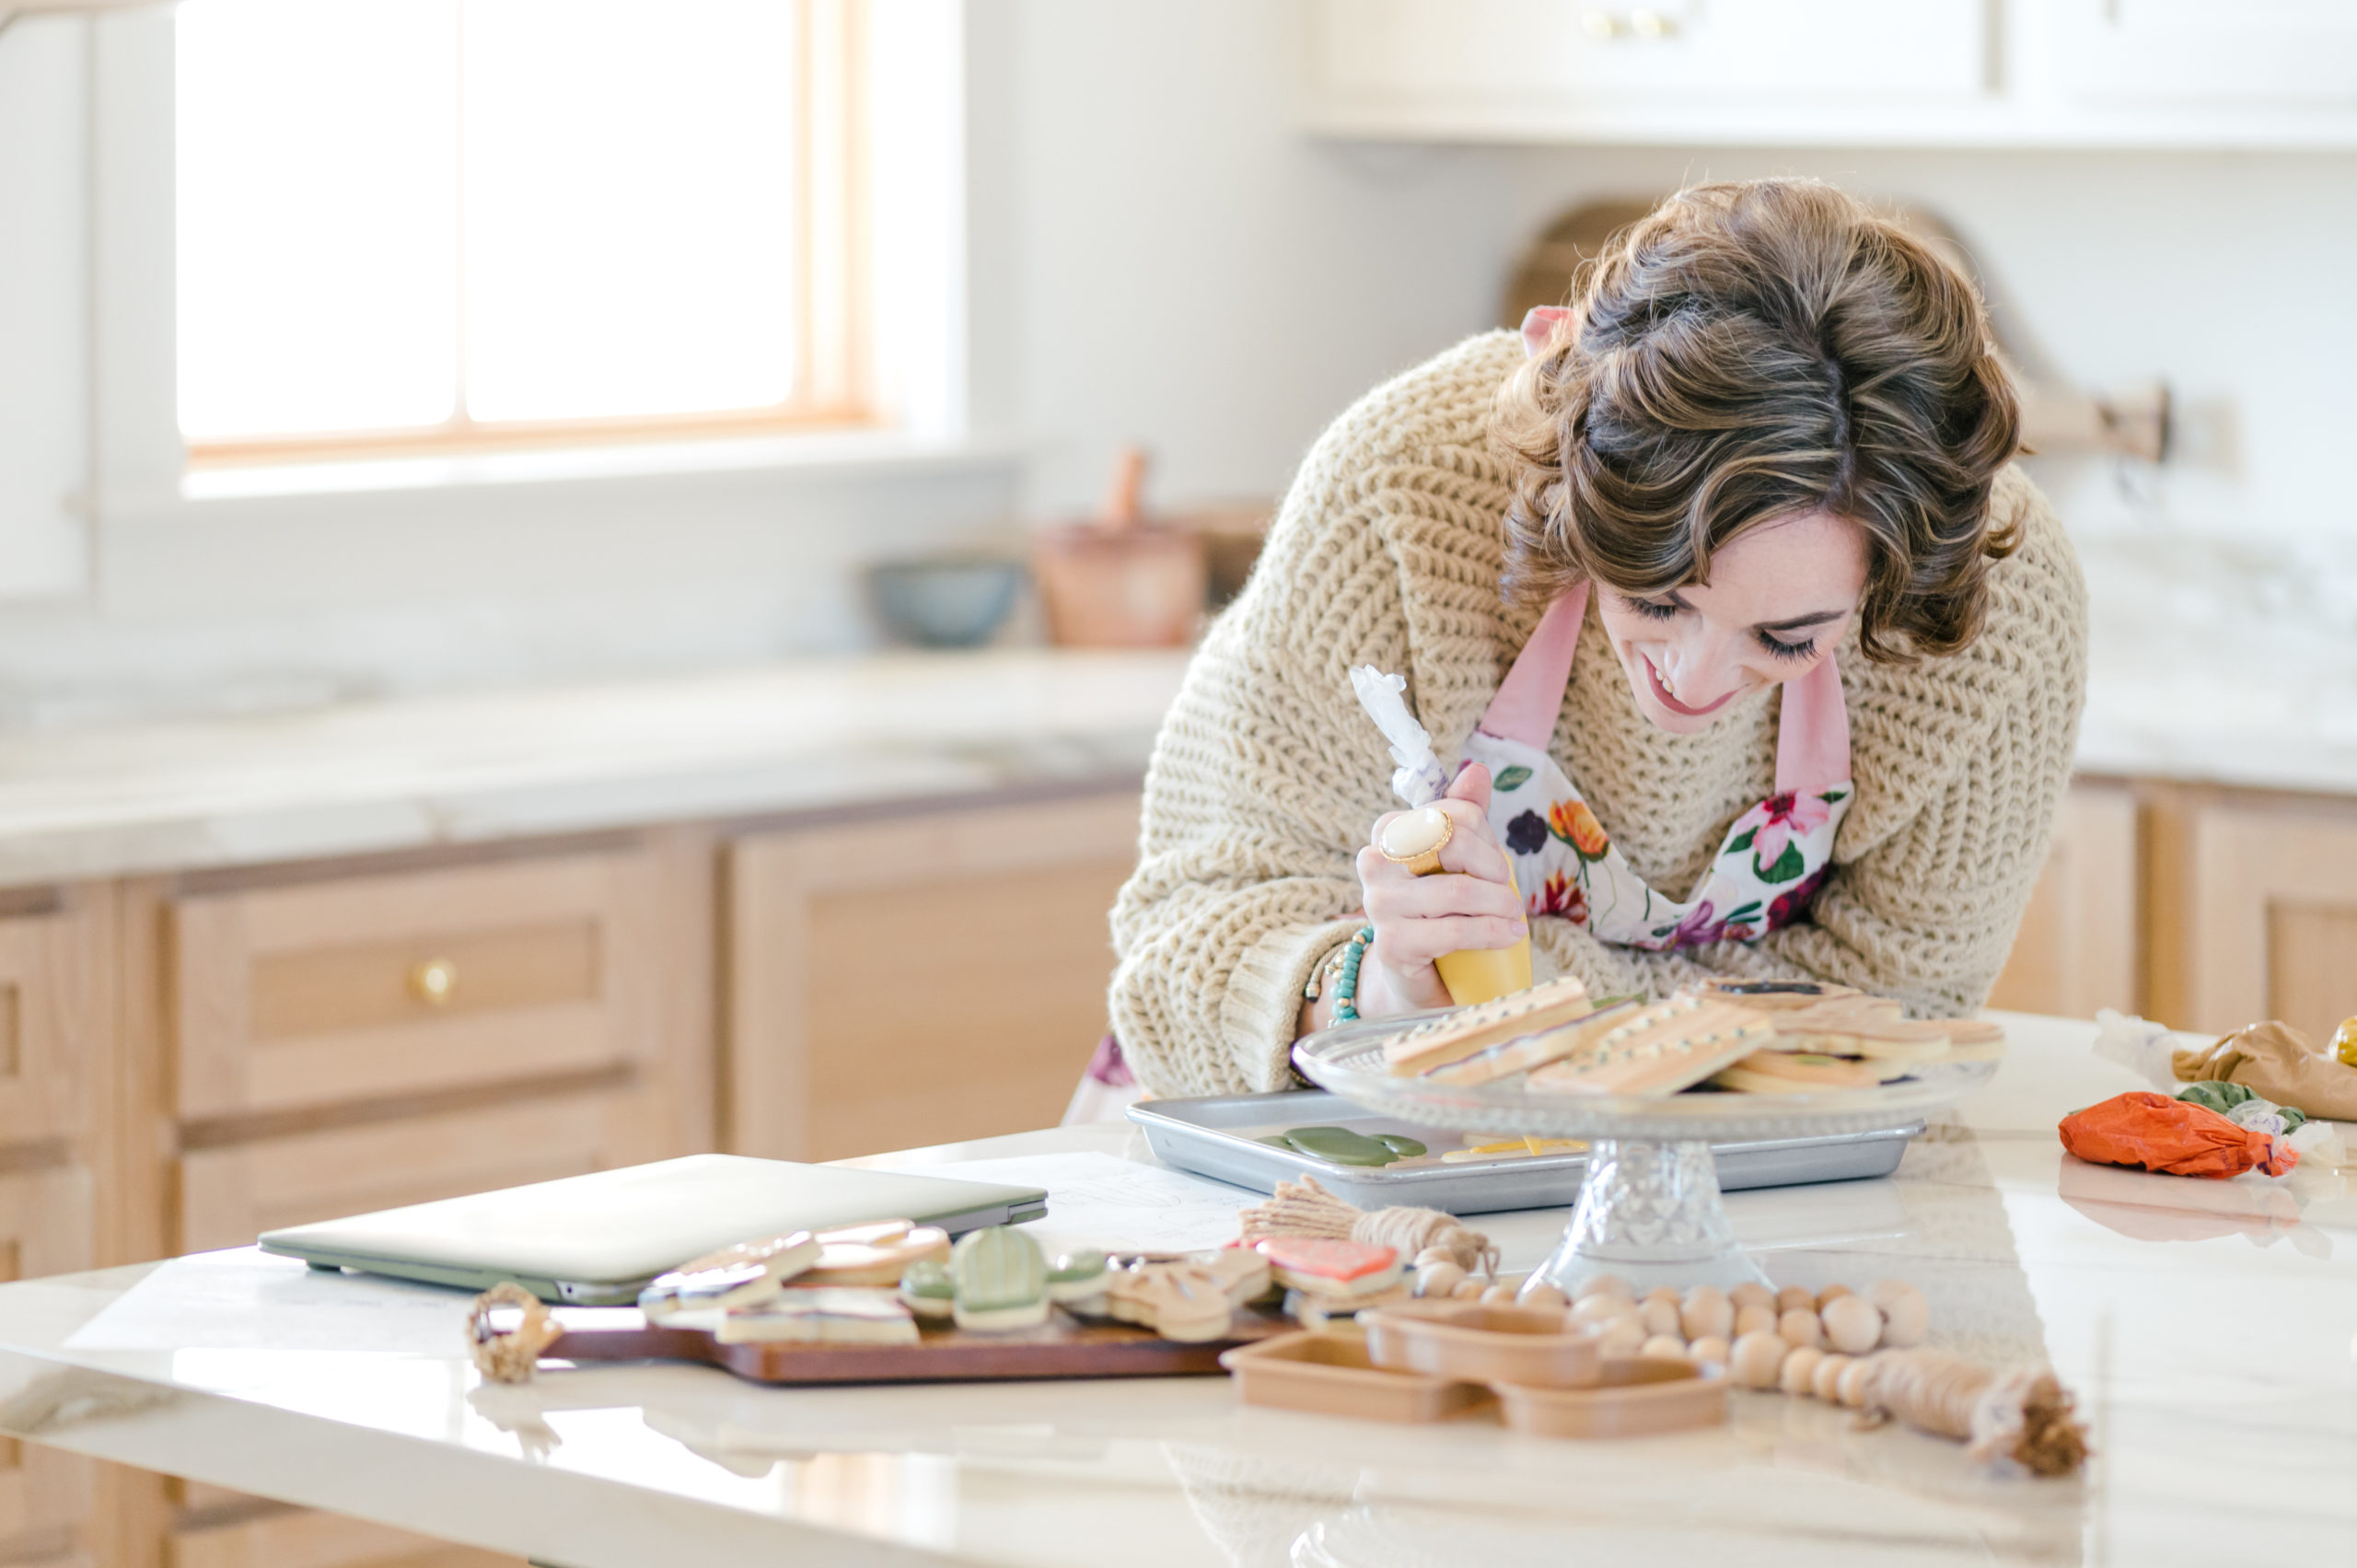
[{"x": 1775, "y": 858}]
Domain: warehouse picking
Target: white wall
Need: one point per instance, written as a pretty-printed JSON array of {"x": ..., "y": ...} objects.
[
  {"x": 1192, "y": 274},
  {"x": 45, "y": 273},
  {"x": 2222, "y": 274}
]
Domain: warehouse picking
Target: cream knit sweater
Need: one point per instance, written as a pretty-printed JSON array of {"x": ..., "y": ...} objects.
[{"x": 1267, "y": 776}]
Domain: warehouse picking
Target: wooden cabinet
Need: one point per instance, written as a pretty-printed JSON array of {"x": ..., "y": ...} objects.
[
  {"x": 249, "y": 1533},
  {"x": 918, "y": 977},
  {"x": 389, "y": 1036},
  {"x": 230, "y": 1193},
  {"x": 2076, "y": 950},
  {"x": 2201, "y": 908},
  {"x": 45, "y": 1495},
  {"x": 54, "y": 1034},
  {"x": 188, "y": 1061},
  {"x": 2253, "y": 911},
  {"x": 300, "y": 1042}
]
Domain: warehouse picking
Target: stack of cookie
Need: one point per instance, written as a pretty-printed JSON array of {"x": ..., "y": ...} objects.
[
  {"x": 1758, "y": 1037},
  {"x": 1834, "y": 1036}
]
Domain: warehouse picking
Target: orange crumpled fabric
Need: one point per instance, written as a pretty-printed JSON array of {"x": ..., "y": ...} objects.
[{"x": 2176, "y": 1137}]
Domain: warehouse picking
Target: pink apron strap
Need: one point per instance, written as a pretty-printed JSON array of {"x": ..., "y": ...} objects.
[
  {"x": 1813, "y": 732},
  {"x": 1532, "y": 693},
  {"x": 1538, "y": 328}
]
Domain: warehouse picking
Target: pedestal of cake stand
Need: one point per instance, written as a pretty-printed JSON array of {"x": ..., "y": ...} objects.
[{"x": 1649, "y": 1214}]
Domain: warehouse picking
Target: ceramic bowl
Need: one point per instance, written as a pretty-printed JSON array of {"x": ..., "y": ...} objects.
[{"x": 944, "y": 603}]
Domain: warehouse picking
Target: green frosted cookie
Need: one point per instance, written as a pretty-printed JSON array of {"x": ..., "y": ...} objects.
[
  {"x": 927, "y": 1290},
  {"x": 1340, "y": 1146},
  {"x": 1077, "y": 1276},
  {"x": 1002, "y": 1280}
]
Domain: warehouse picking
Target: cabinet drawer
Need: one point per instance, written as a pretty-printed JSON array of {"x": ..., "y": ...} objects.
[
  {"x": 44, "y": 1229},
  {"x": 2253, "y": 912},
  {"x": 936, "y": 976},
  {"x": 49, "y": 1013},
  {"x": 2076, "y": 950},
  {"x": 399, "y": 985},
  {"x": 301, "y": 1537},
  {"x": 230, "y": 1194}
]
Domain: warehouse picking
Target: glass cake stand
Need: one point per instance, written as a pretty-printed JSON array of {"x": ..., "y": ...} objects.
[{"x": 1649, "y": 1210}]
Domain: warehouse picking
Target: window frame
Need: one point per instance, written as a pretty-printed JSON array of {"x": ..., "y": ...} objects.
[{"x": 834, "y": 342}]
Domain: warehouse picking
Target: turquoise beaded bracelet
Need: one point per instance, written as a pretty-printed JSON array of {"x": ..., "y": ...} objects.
[{"x": 1346, "y": 984}]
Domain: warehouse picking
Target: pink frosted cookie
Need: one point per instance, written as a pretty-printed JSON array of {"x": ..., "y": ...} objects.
[{"x": 1321, "y": 1266}]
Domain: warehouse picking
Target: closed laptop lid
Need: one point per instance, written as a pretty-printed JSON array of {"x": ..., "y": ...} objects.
[{"x": 613, "y": 1227}]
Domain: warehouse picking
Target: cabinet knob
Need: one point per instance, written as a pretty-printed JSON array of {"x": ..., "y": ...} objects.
[
  {"x": 433, "y": 981},
  {"x": 1652, "y": 24},
  {"x": 1602, "y": 24}
]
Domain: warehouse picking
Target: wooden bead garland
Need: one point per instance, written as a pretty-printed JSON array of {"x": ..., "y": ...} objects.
[{"x": 1861, "y": 1349}]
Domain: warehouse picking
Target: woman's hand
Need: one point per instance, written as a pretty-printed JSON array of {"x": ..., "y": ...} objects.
[{"x": 1417, "y": 919}]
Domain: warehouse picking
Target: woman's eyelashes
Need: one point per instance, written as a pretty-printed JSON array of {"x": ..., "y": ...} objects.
[{"x": 1663, "y": 610}]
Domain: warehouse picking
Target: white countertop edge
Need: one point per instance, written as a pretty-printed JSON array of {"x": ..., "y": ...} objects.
[{"x": 551, "y": 1516}]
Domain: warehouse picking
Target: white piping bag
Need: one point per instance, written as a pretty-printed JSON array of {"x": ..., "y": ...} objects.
[
  {"x": 1476, "y": 974},
  {"x": 1419, "y": 779}
]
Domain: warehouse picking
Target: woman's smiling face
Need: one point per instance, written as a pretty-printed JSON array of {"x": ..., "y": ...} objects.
[{"x": 1779, "y": 598}]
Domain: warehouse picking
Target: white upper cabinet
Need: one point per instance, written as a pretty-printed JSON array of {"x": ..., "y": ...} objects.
[
  {"x": 1696, "y": 51},
  {"x": 1963, "y": 72},
  {"x": 2244, "y": 51}
]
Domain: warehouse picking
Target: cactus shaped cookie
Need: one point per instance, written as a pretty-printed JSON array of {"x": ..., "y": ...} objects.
[{"x": 1000, "y": 1279}]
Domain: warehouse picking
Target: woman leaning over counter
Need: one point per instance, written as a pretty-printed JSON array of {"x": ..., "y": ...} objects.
[{"x": 1760, "y": 655}]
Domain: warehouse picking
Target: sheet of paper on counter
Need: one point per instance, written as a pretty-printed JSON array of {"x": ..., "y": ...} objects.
[
  {"x": 1097, "y": 1199},
  {"x": 247, "y": 1299}
]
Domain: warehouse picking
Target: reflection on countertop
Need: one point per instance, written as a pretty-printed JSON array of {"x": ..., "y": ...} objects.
[{"x": 2200, "y": 1426}]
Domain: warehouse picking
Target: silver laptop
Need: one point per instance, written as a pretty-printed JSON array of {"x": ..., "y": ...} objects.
[{"x": 597, "y": 1239}]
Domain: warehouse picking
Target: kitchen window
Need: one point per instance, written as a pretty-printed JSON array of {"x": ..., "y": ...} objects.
[{"x": 426, "y": 226}]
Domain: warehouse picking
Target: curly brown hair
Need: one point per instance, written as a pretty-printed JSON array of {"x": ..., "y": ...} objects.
[{"x": 1755, "y": 351}]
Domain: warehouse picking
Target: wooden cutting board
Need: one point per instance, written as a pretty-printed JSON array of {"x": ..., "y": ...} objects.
[{"x": 1062, "y": 1347}]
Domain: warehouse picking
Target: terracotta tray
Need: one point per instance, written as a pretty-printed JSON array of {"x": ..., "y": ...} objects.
[
  {"x": 1636, "y": 1396},
  {"x": 1330, "y": 1372},
  {"x": 1062, "y": 1347},
  {"x": 1473, "y": 1343}
]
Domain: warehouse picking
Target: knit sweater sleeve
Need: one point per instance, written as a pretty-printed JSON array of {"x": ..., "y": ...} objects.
[
  {"x": 1266, "y": 776},
  {"x": 1960, "y": 764}
]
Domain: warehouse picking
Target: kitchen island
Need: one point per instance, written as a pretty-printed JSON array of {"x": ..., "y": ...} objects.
[{"x": 2204, "y": 1326}]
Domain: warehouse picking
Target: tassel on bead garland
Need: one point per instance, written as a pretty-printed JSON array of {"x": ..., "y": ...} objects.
[{"x": 2023, "y": 1415}]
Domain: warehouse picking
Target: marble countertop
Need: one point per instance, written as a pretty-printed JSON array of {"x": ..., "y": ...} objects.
[
  {"x": 2252, "y": 693},
  {"x": 2147, "y": 1293},
  {"x": 403, "y": 775}
]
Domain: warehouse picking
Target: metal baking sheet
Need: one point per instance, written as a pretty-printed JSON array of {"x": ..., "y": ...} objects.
[{"x": 1216, "y": 1136}]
